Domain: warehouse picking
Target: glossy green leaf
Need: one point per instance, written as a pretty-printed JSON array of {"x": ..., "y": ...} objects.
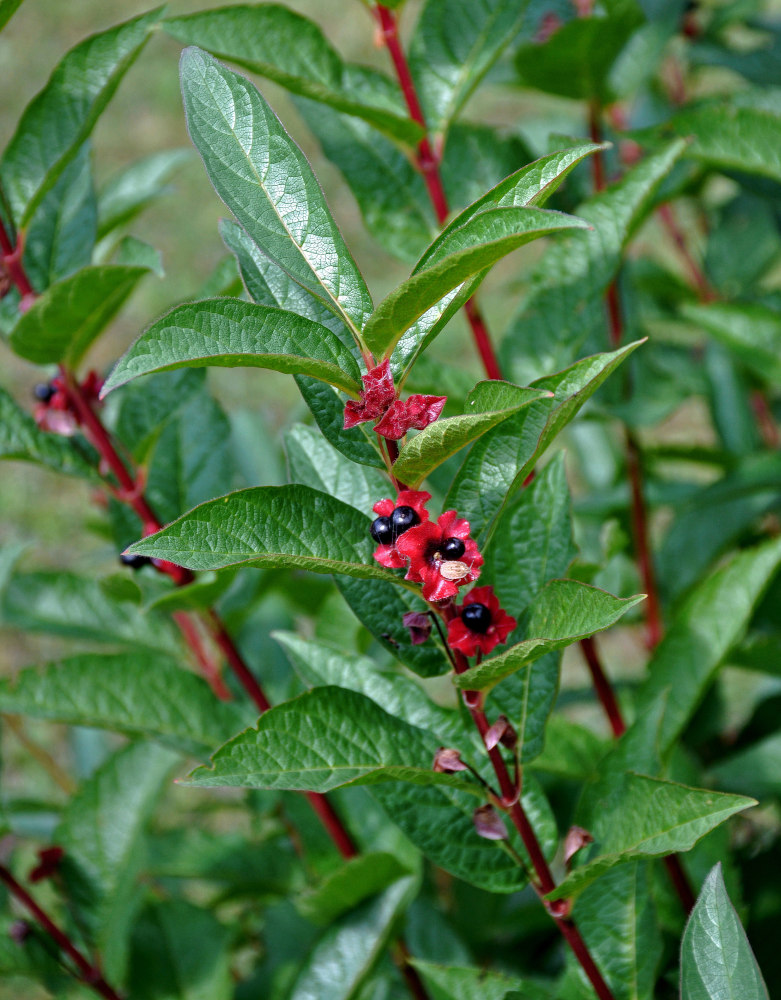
[
  {"x": 499, "y": 462},
  {"x": 62, "y": 324},
  {"x": 751, "y": 331},
  {"x": 647, "y": 817},
  {"x": 266, "y": 181},
  {"x": 427, "y": 450},
  {"x": 343, "y": 959},
  {"x": 22, "y": 439},
  {"x": 7, "y": 10},
  {"x": 564, "y": 308},
  {"x": 141, "y": 694},
  {"x": 76, "y": 607},
  {"x": 716, "y": 958},
  {"x": 741, "y": 134},
  {"x": 230, "y": 333},
  {"x": 134, "y": 188},
  {"x": 389, "y": 191},
  {"x": 318, "y": 663},
  {"x": 756, "y": 770},
  {"x": 62, "y": 232},
  {"x": 314, "y": 462},
  {"x": 291, "y": 50},
  {"x": 571, "y": 750},
  {"x": 58, "y": 120},
  {"x": 281, "y": 526},
  {"x": 710, "y": 622},
  {"x": 325, "y": 739},
  {"x": 380, "y": 606},
  {"x": 472, "y": 248},
  {"x": 144, "y": 408},
  {"x": 466, "y": 982},
  {"x": 179, "y": 952},
  {"x": 564, "y": 612},
  {"x": 422, "y": 333},
  {"x": 533, "y": 541},
  {"x": 327, "y": 408},
  {"x": 620, "y": 926},
  {"x": 358, "y": 879},
  {"x": 456, "y": 42},
  {"x": 101, "y": 832},
  {"x": 532, "y": 185}
]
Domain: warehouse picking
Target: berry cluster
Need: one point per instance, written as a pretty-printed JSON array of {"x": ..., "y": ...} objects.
[
  {"x": 394, "y": 416},
  {"x": 440, "y": 555}
]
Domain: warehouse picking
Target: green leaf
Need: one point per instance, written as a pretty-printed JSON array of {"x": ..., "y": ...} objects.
[
  {"x": 533, "y": 541},
  {"x": 62, "y": 324},
  {"x": 101, "y": 832},
  {"x": 751, "y": 331},
  {"x": 327, "y": 408},
  {"x": 229, "y": 333},
  {"x": 71, "y": 606},
  {"x": 62, "y": 232},
  {"x": 617, "y": 919},
  {"x": 380, "y": 606},
  {"x": 754, "y": 771},
  {"x": 179, "y": 952},
  {"x": 499, "y": 462},
  {"x": 564, "y": 307},
  {"x": 144, "y": 408},
  {"x": 427, "y": 450},
  {"x": 741, "y": 134},
  {"x": 710, "y": 622},
  {"x": 130, "y": 251},
  {"x": 318, "y": 663},
  {"x": 358, "y": 879},
  {"x": 325, "y": 739},
  {"x": 292, "y": 51},
  {"x": 647, "y": 817},
  {"x": 564, "y": 612},
  {"x": 588, "y": 47},
  {"x": 463, "y": 982},
  {"x": 58, "y": 120},
  {"x": 571, "y": 750},
  {"x": 390, "y": 193},
  {"x": 7, "y": 10},
  {"x": 266, "y": 181},
  {"x": 456, "y": 42},
  {"x": 716, "y": 959},
  {"x": 532, "y": 185},
  {"x": 312, "y": 461},
  {"x": 141, "y": 694},
  {"x": 21, "y": 438},
  {"x": 134, "y": 188},
  {"x": 343, "y": 959},
  {"x": 294, "y": 527},
  {"x": 473, "y": 248}
]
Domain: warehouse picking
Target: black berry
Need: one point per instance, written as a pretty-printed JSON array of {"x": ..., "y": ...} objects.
[
  {"x": 133, "y": 562},
  {"x": 44, "y": 391},
  {"x": 403, "y": 518},
  {"x": 453, "y": 548},
  {"x": 381, "y": 531},
  {"x": 476, "y": 617}
]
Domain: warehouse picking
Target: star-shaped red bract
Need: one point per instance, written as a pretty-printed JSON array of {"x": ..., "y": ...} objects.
[
  {"x": 470, "y": 642},
  {"x": 386, "y": 555},
  {"x": 423, "y": 546},
  {"x": 377, "y": 395},
  {"x": 417, "y": 411}
]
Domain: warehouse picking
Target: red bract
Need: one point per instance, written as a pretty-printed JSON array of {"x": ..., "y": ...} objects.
[
  {"x": 386, "y": 555},
  {"x": 440, "y": 577},
  {"x": 470, "y": 642},
  {"x": 48, "y": 863},
  {"x": 417, "y": 411},
  {"x": 377, "y": 395}
]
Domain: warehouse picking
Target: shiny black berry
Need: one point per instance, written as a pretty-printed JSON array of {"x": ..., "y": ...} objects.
[
  {"x": 134, "y": 562},
  {"x": 381, "y": 530},
  {"x": 403, "y": 518},
  {"x": 453, "y": 548},
  {"x": 43, "y": 391},
  {"x": 476, "y": 617}
]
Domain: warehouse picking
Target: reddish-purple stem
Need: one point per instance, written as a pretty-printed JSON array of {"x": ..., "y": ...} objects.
[
  {"x": 88, "y": 973},
  {"x": 603, "y": 687},
  {"x": 427, "y": 162}
]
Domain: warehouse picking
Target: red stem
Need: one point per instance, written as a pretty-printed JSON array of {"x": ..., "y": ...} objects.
[
  {"x": 603, "y": 687},
  {"x": 653, "y": 609},
  {"x": 11, "y": 261},
  {"x": 427, "y": 162},
  {"x": 89, "y": 974},
  {"x": 192, "y": 637},
  {"x": 330, "y": 820},
  {"x": 236, "y": 662}
]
